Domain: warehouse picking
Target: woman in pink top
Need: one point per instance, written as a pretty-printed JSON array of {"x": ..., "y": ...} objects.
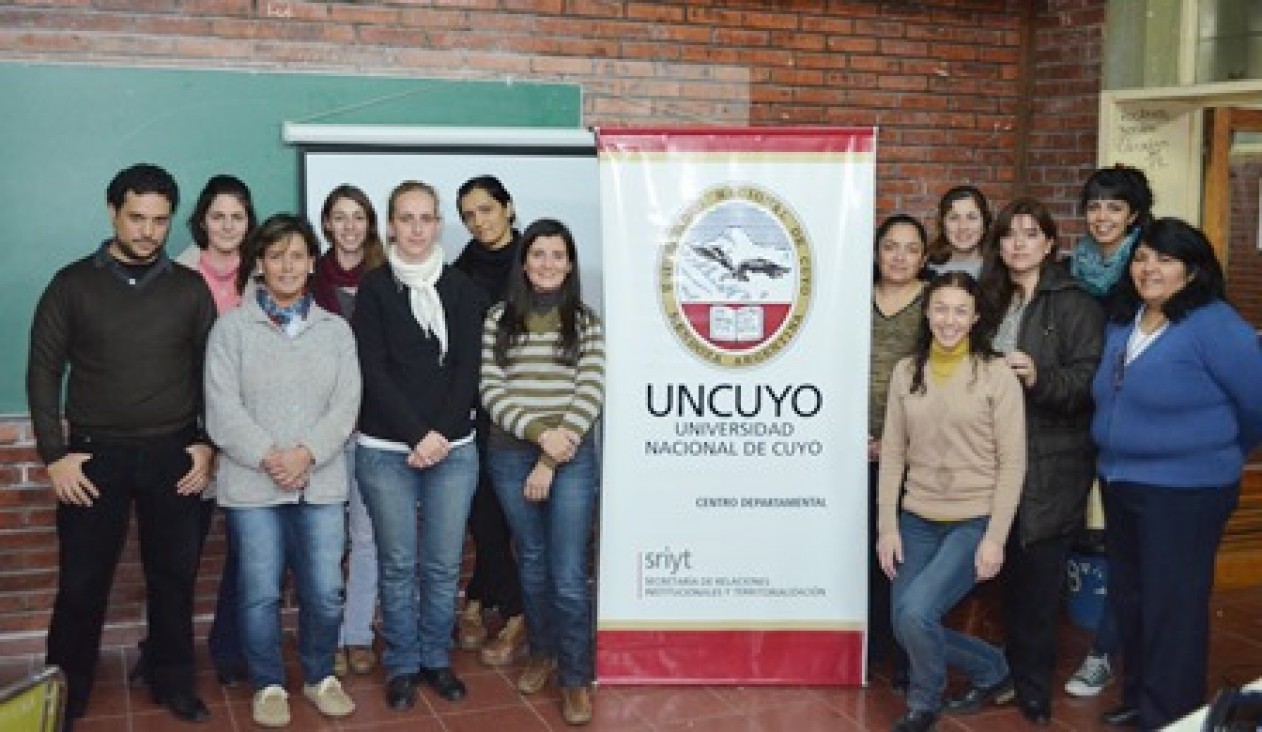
[{"x": 220, "y": 221}]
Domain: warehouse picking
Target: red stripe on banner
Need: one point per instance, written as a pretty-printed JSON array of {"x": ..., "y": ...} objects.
[
  {"x": 736, "y": 139},
  {"x": 771, "y": 657}
]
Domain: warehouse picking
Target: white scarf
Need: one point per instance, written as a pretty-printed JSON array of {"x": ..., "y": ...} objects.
[{"x": 427, "y": 308}]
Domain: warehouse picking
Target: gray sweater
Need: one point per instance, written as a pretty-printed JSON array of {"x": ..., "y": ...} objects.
[{"x": 265, "y": 389}]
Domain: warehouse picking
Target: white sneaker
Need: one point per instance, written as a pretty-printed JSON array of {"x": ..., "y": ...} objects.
[
  {"x": 271, "y": 707},
  {"x": 1091, "y": 677},
  {"x": 329, "y": 697}
]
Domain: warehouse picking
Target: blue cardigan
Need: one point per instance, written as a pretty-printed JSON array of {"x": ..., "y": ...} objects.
[{"x": 1186, "y": 412}]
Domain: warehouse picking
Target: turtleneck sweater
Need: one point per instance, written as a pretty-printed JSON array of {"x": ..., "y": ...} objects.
[{"x": 961, "y": 444}]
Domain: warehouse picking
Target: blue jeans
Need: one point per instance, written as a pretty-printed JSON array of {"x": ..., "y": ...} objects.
[
  {"x": 552, "y": 538},
  {"x": 308, "y": 539},
  {"x": 937, "y": 572},
  {"x": 361, "y": 573},
  {"x": 417, "y": 629}
]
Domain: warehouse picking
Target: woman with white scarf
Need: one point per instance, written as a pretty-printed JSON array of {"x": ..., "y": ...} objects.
[{"x": 417, "y": 323}]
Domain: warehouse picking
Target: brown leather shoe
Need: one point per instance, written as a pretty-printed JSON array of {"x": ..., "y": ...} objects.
[
  {"x": 535, "y": 676},
  {"x": 470, "y": 630},
  {"x": 361, "y": 659},
  {"x": 508, "y": 646},
  {"x": 341, "y": 666},
  {"x": 576, "y": 705}
]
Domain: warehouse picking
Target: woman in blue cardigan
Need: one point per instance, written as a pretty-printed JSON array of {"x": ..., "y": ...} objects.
[{"x": 1178, "y": 407}]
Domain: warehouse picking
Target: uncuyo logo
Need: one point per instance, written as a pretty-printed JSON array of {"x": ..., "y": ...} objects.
[{"x": 735, "y": 276}]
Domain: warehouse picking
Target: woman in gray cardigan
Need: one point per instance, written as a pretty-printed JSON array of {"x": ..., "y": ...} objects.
[{"x": 282, "y": 393}]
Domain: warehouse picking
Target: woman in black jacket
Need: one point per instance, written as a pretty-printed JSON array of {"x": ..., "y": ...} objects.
[
  {"x": 418, "y": 328},
  {"x": 1052, "y": 337}
]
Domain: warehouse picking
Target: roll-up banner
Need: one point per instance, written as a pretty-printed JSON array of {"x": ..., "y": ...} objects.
[{"x": 734, "y": 542}]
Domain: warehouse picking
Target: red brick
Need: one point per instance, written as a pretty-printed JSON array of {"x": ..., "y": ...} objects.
[
  {"x": 850, "y": 44},
  {"x": 902, "y": 49},
  {"x": 740, "y": 37},
  {"x": 798, "y": 40},
  {"x": 535, "y": 6},
  {"x": 655, "y": 51},
  {"x": 659, "y": 12},
  {"x": 597, "y": 8},
  {"x": 363, "y": 14},
  {"x": 439, "y": 19},
  {"x": 882, "y": 29},
  {"x": 10, "y": 433},
  {"x": 152, "y": 6}
]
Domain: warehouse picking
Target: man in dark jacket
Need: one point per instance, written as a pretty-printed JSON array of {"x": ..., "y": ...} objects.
[{"x": 132, "y": 329}]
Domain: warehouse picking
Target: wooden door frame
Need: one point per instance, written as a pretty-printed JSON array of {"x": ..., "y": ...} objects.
[{"x": 1216, "y": 213}]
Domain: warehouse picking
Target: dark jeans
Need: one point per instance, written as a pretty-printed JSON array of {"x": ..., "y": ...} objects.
[
  {"x": 495, "y": 581},
  {"x": 90, "y": 540},
  {"x": 1032, "y": 578},
  {"x": 226, "y": 651},
  {"x": 1162, "y": 543}
]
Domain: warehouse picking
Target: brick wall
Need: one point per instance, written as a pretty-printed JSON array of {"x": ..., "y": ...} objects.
[
  {"x": 999, "y": 93},
  {"x": 1065, "y": 82}
]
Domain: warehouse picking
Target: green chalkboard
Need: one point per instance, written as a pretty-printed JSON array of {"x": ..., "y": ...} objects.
[{"x": 67, "y": 129}]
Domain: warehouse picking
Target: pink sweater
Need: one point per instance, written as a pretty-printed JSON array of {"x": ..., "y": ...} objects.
[{"x": 962, "y": 443}]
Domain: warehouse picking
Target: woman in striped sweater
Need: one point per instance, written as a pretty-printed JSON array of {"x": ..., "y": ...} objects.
[{"x": 543, "y": 364}]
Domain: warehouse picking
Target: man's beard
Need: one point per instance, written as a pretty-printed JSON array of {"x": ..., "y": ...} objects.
[{"x": 131, "y": 256}]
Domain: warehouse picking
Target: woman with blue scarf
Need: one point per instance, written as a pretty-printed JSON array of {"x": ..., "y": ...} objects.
[
  {"x": 1117, "y": 203},
  {"x": 282, "y": 393}
]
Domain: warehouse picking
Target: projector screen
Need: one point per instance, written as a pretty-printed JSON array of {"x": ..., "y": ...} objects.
[{"x": 549, "y": 173}]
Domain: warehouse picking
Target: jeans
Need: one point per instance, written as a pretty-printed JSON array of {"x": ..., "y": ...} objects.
[
  {"x": 143, "y": 474},
  {"x": 552, "y": 539},
  {"x": 1107, "y": 640},
  {"x": 361, "y": 573},
  {"x": 308, "y": 539},
  {"x": 417, "y": 629},
  {"x": 937, "y": 572}
]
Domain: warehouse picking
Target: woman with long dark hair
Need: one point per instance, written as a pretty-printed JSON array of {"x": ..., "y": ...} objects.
[
  {"x": 487, "y": 210},
  {"x": 897, "y": 309},
  {"x": 954, "y": 442},
  {"x": 962, "y": 222},
  {"x": 1050, "y": 334},
  {"x": 543, "y": 359},
  {"x": 349, "y": 223}
]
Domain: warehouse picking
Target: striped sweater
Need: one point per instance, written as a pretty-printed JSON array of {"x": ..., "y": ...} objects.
[{"x": 537, "y": 390}]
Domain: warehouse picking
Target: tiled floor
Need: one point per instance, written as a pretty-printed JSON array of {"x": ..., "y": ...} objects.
[{"x": 494, "y": 706}]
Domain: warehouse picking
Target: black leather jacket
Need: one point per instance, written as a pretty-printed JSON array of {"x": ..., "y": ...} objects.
[{"x": 1063, "y": 331}]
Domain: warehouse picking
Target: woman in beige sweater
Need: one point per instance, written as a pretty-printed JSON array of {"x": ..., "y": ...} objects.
[{"x": 954, "y": 442}]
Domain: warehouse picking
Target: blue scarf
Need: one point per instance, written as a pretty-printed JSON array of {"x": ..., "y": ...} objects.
[
  {"x": 290, "y": 319},
  {"x": 1096, "y": 272}
]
